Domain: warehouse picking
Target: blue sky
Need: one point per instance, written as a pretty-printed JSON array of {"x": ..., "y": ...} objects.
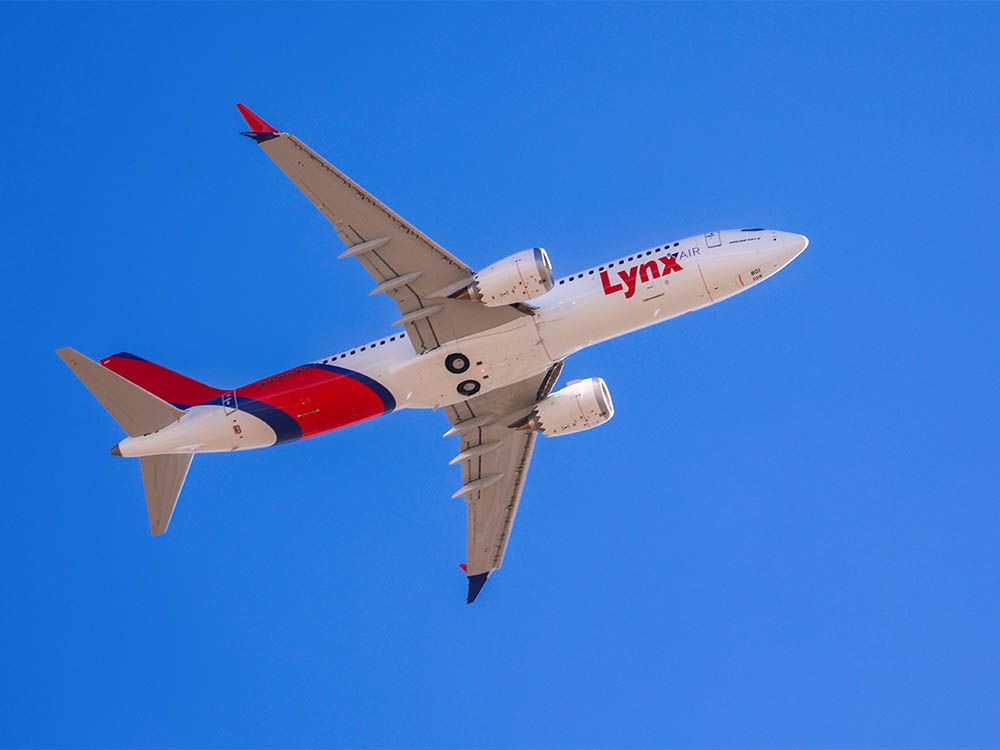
[{"x": 787, "y": 536}]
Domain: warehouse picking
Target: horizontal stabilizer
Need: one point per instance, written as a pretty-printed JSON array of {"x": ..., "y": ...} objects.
[
  {"x": 163, "y": 477},
  {"x": 138, "y": 411}
]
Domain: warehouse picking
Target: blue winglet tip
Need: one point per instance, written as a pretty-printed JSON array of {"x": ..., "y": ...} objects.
[
  {"x": 476, "y": 584},
  {"x": 259, "y": 137}
]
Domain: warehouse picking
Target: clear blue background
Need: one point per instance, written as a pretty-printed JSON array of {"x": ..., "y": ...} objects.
[{"x": 786, "y": 537}]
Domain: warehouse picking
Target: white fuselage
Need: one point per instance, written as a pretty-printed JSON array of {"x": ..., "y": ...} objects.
[
  {"x": 583, "y": 309},
  {"x": 586, "y": 308}
]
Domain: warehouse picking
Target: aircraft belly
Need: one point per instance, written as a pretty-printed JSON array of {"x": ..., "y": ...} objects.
[
  {"x": 210, "y": 428},
  {"x": 497, "y": 358}
]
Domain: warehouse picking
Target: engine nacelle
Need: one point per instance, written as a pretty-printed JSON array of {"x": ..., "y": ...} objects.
[
  {"x": 581, "y": 405},
  {"x": 516, "y": 278}
]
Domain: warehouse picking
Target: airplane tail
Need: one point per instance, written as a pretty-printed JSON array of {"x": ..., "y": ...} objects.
[
  {"x": 172, "y": 387},
  {"x": 139, "y": 412},
  {"x": 163, "y": 477}
]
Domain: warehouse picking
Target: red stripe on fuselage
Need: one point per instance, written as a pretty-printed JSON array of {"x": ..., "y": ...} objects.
[{"x": 318, "y": 399}]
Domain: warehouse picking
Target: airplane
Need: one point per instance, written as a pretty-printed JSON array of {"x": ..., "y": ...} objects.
[{"x": 486, "y": 347}]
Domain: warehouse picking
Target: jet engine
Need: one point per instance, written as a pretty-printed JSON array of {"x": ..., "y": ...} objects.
[
  {"x": 516, "y": 278},
  {"x": 581, "y": 405}
]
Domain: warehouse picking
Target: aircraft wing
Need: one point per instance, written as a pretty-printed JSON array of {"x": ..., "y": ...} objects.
[
  {"x": 416, "y": 272},
  {"x": 494, "y": 459}
]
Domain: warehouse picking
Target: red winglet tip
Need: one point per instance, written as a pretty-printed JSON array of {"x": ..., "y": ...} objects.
[
  {"x": 257, "y": 125},
  {"x": 464, "y": 567}
]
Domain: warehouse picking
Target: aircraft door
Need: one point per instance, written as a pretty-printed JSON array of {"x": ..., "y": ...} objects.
[{"x": 713, "y": 239}]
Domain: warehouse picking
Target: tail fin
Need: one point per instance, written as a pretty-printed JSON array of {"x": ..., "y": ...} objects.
[
  {"x": 138, "y": 412},
  {"x": 163, "y": 477},
  {"x": 172, "y": 387}
]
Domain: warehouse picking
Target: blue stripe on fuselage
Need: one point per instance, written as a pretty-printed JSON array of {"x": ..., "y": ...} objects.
[{"x": 388, "y": 401}]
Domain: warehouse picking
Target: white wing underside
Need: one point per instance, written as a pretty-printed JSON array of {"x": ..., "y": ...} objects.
[
  {"x": 492, "y": 509},
  {"x": 406, "y": 264}
]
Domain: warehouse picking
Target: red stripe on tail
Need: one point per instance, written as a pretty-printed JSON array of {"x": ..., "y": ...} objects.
[{"x": 170, "y": 386}]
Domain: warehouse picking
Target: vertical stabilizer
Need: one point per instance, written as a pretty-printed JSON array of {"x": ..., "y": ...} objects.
[{"x": 163, "y": 477}]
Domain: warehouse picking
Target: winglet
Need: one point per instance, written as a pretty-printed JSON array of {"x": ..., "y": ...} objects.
[
  {"x": 464, "y": 567},
  {"x": 259, "y": 130},
  {"x": 476, "y": 584}
]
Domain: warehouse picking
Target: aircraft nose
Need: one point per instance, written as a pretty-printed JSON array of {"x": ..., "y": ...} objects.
[{"x": 788, "y": 247}]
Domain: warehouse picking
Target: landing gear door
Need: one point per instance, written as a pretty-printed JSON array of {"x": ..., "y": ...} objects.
[
  {"x": 229, "y": 402},
  {"x": 713, "y": 239}
]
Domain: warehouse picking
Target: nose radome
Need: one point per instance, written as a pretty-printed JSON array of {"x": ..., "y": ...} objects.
[{"x": 789, "y": 246}]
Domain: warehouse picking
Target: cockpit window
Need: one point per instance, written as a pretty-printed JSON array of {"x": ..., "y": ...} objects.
[{"x": 753, "y": 229}]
